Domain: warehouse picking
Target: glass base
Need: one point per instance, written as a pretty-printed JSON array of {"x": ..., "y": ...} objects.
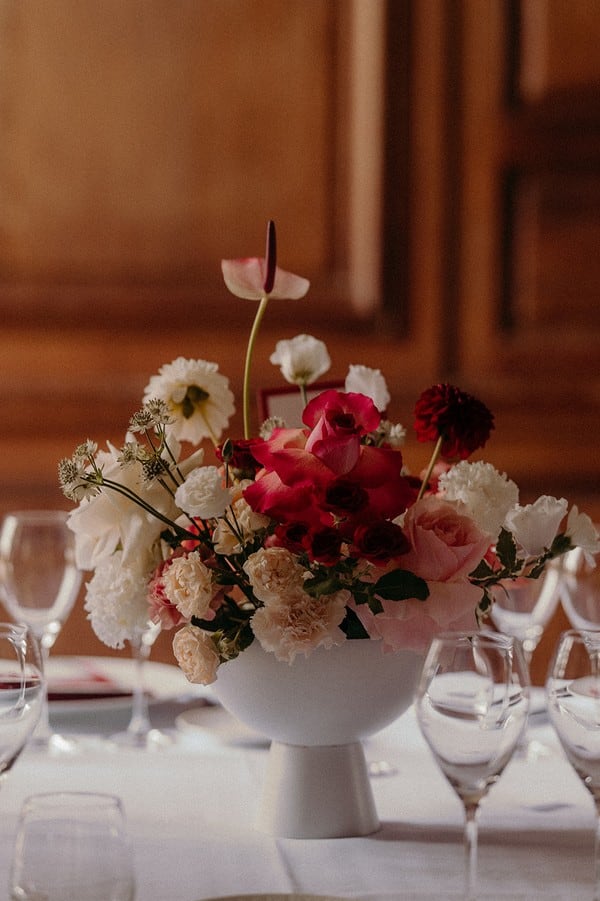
[{"x": 150, "y": 740}]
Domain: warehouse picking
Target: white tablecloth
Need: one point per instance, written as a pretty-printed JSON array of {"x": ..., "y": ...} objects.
[{"x": 191, "y": 807}]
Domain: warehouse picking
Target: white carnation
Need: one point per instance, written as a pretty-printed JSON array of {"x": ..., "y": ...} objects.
[
  {"x": 534, "y": 527},
  {"x": 274, "y": 573},
  {"x": 302, "y": 359},
  {"x": 228, "y": 540},
  {"x": 371, "y": 383},
  {"x": 484, "y": 493},
  {"x": 197, "y": 396},
  {"x": 203, "y": 493},
  {"x": 117, "y": 601},
  {"x": 187, "y": 583}
]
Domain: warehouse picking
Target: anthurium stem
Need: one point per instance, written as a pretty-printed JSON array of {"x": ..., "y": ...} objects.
[
  {"x": 434, "y": 458},
  {"x": 249, "y": 353}
]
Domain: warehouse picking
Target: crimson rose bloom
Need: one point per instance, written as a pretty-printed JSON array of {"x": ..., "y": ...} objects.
[
  {"x": 380, "y": 541},
  {"x": 463, "y": 422}
]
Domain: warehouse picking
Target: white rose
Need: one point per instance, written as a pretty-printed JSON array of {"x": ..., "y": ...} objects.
[
  {"x": 196, "y": 655},
  {"x": 583, "y": 534},
  {"x": 534, "y": 527},
  {"x": 302, "y": 359},
  {"x": 371, "y": 383},
  {"x": 203, "y": 493}
]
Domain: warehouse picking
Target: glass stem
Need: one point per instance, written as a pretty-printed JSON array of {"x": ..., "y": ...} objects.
[
  {"x": 42, "y": 730},
  {"x": 139, "y": 724},
  {"x": 597, "y": 853},
  {"x": 471, "y": 812}
]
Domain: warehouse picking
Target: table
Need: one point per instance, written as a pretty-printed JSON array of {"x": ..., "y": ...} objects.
[{"x": 190, "y": 811}]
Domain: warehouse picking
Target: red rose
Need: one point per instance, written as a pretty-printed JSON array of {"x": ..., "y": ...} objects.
[
  {"x": 324, "y": 546},
  {"x": 238, "y": 454},
  {"x": 462, "y": 421},
  {"x": 344, "y": 497},
  {"x": 380, "y": 541}
]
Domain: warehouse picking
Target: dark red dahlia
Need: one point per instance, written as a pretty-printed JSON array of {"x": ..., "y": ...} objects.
[{"x": 462, "y": 421}]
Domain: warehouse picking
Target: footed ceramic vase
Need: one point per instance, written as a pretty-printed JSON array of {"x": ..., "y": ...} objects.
[{"x": 316, "y": 711}]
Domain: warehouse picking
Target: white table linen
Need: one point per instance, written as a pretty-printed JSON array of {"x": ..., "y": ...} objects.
[{"x": 190, "y": 811}]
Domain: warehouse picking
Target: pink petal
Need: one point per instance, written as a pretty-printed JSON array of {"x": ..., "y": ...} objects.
[{"x": 246, "y": 277}]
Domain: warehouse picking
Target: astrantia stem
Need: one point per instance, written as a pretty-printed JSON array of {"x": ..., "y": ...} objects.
[
  {"x": 249, "y": 353},
  {"x": 434, "y": 458}
]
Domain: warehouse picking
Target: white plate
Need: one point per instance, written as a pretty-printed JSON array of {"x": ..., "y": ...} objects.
[
  {"x": 88, "y": 675},
  {"x": 294, "y": 897}
]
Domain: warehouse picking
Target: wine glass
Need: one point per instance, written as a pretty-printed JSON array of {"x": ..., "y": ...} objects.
[
  {"x": 573, "y": 696},
  {"x": 471, "y": 703},
  {"x": 523, "y": 607},
  {"x": 140, "y": 734},
  {"x": 39, "y": 582},
  {"x": 580, "y": 589},
  {"x": 21, "y": 690},
  {"x": 72, "y": 846}
]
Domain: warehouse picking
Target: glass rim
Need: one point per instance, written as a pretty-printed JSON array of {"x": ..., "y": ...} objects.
[
  {"x": 57, "y": 798},
  {"x": 499, "y": 639}
]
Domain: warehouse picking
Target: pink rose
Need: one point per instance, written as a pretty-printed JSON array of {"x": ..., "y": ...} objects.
[{"x": 446, "y": 546}]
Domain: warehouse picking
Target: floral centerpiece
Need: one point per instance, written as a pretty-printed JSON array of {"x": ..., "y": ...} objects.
[{"x": 300, "y": 537}]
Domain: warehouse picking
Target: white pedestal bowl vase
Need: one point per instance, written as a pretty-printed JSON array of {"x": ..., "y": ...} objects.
[{"x": 316, "y": 711}]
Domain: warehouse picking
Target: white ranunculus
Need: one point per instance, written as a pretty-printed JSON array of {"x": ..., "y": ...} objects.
[
  {"x": 117, "y": 601},
  {"x": 203, "y": 493},
  {"x": 197, "y": 396},
  {"x": 485, "y": 494},
  {"x": 371, "y": 383},
  {"x": 535, "y": 526},
  {"x": 302, "y": 359},
  {"x": 583, "y": 534}
]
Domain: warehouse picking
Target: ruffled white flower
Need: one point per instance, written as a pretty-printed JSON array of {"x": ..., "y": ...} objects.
[
  {"x": 203, "y": 493},
  {"x": 302, "y": 359},
  {"x": 299, "y": 624},
  {"x": 392, "y": 433},
  {"x": 274, "y": 573},
  {"x": 187, "y": 583},
  {"x": 535, "y": 526},
  {"x": 583, "y": 534},
  {"x": 197, "y": 396},
  {"x": 371, "y": 383},
  {"x": 196, "y": 655},
  {"x": 231, "y": 537},
  {"x": 117, "y": 601},
  {"x": 482, "y": 492}
]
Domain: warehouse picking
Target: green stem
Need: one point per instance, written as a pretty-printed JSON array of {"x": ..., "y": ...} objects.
[
  {"x": 249, "y": 352},
  {"x": 434, "y": 458}
]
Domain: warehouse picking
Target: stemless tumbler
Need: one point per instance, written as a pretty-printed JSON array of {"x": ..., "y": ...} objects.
[{"x": 72, "y": 846}]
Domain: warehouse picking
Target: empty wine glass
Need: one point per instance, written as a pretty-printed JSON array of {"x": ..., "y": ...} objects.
[
  {"x": 39, "y": 582},
  {"x": 21, "y": 690},
  {"x": 573, "y": 695},
  {"x": 580, "y": 589},
  {"x": 523, "y": 607},
  {"x": 72, "y": 846},
  {"x": 471, "y": 704},
  {"x": 140, "y": 733}
]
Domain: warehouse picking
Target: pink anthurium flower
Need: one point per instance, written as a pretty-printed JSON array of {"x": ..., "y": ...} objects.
[{"x": 255, "y": 278}]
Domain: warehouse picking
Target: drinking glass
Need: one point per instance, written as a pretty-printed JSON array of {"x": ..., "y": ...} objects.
[
  {"x": 580, "y": 590},
  {"x": 523, "y": 607},
  {"x": 72, "y": 846},
  {"x": 471, "y": 704},
  {"x": 39, "y": 582},
  {"x": 21, "y": 690},
  {"x": 140, "y": 733},
  {"x": 573, "y": 695}
]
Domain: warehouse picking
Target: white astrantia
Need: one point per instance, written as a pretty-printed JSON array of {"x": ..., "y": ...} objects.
[
  {"x": 302, "y": 360},
  {"x": 203, "y": 493},
  {"x": 198, "y": 397},
  {"x": 117, "y": 601},
  {"x": 371, "y": 383},
  {"x": 535, "y": 526},
  {"x": 482, "y": 492}
]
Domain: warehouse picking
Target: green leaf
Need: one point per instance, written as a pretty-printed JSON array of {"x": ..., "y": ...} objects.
[
  {"x": 401, "y": 585},
  {"x": 353, "y": 627},
  {"x": 506, "y": 550}
]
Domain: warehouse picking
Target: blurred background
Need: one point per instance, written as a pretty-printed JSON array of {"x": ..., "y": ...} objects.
[{"x": 433, "y": 167}]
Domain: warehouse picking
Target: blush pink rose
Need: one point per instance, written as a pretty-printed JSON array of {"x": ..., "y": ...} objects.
[{"x": 446, "y": 546}]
